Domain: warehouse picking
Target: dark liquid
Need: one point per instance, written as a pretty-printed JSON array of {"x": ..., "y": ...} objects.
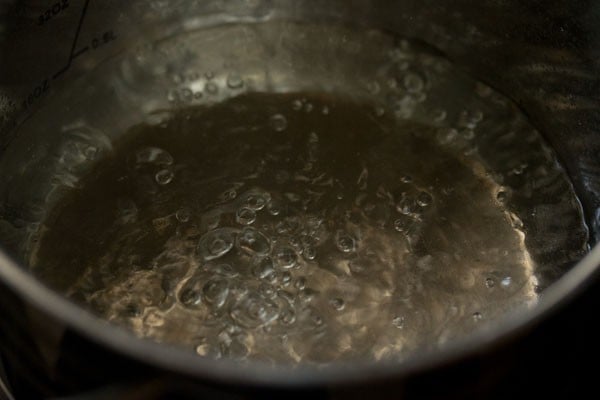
[{"x": 290, "y": 227}]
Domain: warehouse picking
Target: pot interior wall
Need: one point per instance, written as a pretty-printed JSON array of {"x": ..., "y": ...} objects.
[{"x": 540, "y": 56}]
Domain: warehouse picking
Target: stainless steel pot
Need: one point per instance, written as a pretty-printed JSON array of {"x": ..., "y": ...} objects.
[{"x": 543, "y": 56}]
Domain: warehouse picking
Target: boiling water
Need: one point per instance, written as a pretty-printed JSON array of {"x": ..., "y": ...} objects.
[{"x": 316, "y": 226}]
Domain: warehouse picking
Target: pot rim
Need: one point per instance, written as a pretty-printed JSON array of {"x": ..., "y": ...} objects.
[{"x": 177, "y": 359}]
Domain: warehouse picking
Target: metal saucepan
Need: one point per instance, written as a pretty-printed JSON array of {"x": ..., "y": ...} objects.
[{"x": 541, "y": 56}]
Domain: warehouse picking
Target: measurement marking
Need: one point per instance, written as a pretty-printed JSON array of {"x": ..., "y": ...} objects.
[
  {"x": 74, "y": 54},
  {"x": 81, "y": 51}
]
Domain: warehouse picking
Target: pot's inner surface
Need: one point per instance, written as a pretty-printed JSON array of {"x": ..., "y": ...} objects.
[{"x": 301, "y": 193}]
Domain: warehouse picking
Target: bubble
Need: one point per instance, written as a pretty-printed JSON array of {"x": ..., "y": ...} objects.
[
  {"x": 286, "y": 257},
  {"x": 264, "y": 269},
  {"x": 253, "y": 311},
  {"x": 345, "y": 242},
  {"x": 296, "y": 243},
  {"x": 518, "y": 170},
  {"x": 211, "y": 219},
  {"x": 306, "y": 295},
  {"x": 515, "y": 220},
  {"x": 404, "y": 107},
  {"x": 404, "y": 224},
  {"x": 278, "y": 122},
  {"x": 506, "y": 281},
  {"x": 216, "y": 243},
  {"x": 287, "y": 226},
  {"x": 227, "y": 195},
  {"x": 424, "y": 199},
  {"x": 267, "y": 291},
  {"x": 287, "y": 316},
  {"x": 190, "y": 297},
  {"x": 446, "y": 135},
  {"x": 211, "y": 88},
  {"x": 419, "y": 97},
  {"x": 325, "y": 110},
  {"x": 225, "y": 270},
  {"x": 237, "y": 349},
  {"x": 467, "y": 133},
  {"x": 297, "y": 105},
  {"x": 396, "y": 54},
  {"x": 362, "y": 178},
  {"x": 273, "y": 209},
  {"x": 153, "y": 155},
  {"x": 255, "y": 201},
  {"x": 308, "y": 107},
  {"x": 215, "y": 292},
  {"x": 337, "y": 303},
  {"x": 292, "y": 197},
  {"x": 224, "y": 339},
  {"x": 490, "y": 283},
  {"x": 501, "y": 196},
  {"x": 477, "y": 316},
  {"x": 300, "y": 283},
  {"x": 245, "y": 216},
  {"x": 183, "y": 214},
  {"x": 313, "y": 223},
  {"x": 286, "y": 278},
  {"x": 253, "y": 242},
  {"x": 154, "y": 318},
  {"x": 392, "y": 83},
  {"x": 309, "y": 253},
  {"x": 439, "y": 115},
  {"x": 413, "y": 83},
  {"x": 234, "y": 81},
  {"x": 203, "y": 349},
  {"x": 470, "y": 118},
  {"x": 190, "y": 294},
  {"x": 90, "y": 152},
  {"x": 316, "y": 319},
  {"x": 164, "y": 176},
  {"x": 407, "y": 205},
  {"x": 398, "y": 322},
  {"x": 448, "y": 190}
]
